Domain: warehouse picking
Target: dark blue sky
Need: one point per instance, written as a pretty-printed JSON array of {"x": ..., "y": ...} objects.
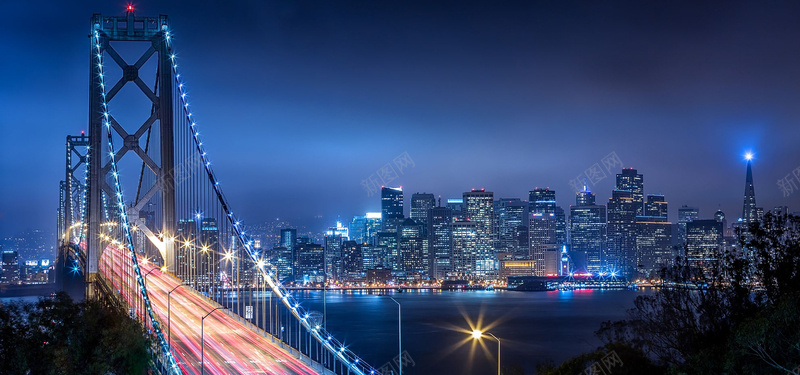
[{"x": 298, "y": 102}]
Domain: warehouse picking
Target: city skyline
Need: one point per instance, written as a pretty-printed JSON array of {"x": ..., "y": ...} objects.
[
  {"x": 297, "y": 178},
  {"x": 321, "y": 105}
]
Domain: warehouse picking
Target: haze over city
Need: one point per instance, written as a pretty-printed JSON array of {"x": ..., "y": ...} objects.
[
  {"x": 400, "y": 187},
  {"x": 304, "y": 100}
]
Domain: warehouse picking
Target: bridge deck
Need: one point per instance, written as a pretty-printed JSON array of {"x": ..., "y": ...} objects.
[{"x": 230, "y": 346}]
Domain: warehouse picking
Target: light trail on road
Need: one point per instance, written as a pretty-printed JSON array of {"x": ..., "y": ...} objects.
[{"x": 230, "y": 346}]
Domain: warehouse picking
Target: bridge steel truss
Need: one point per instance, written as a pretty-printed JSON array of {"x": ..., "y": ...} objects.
[
  {"x": 150, "y": 30},
  {"x": 104, "y": 30},
  {"x": 72, "y": 196},
  {"x": 105, "y": 189}
]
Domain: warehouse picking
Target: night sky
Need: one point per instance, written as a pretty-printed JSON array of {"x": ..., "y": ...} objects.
[{"x": 298, "y": 102}]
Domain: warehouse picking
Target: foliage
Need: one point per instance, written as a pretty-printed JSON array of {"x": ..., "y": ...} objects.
[
  {"x": 738, "y": 315},
  {"x": 58, "y": 336},
  {"x": 628, "y": 361}
]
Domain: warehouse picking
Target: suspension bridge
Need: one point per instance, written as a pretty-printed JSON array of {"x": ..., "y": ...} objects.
[{"x": 144, "y": 219}]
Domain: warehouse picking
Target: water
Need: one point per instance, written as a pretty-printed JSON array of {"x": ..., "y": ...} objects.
[{"x": 534, "y": 327}]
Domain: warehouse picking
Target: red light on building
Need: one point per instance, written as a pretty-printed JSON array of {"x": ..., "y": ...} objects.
[{"x": 130, "y": 8}]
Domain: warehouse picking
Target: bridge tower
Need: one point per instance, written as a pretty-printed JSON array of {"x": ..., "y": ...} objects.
[
  {"x": 72, "y": 194},
  {"x": 157, "y": 160}
]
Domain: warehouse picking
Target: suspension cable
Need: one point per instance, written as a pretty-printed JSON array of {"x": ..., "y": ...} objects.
[{"x": 122, "y": 211}]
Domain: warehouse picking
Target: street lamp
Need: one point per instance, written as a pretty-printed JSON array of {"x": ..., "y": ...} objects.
[
  {"x": 145, "y": 276},
  {"x": 169, "y": 322},
  {"x": 202, "y": 341},
  {"x": 476, "y": 334},
  {"x": 399, "y": 334}
]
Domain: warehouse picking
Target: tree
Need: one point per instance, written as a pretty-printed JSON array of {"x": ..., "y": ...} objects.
[
  {"x": 739, "y": 315},
  {"x": 58, "y": 336}
]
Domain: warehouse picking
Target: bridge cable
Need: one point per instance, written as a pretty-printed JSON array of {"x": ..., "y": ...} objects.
[{"x": 122, "y": 211}]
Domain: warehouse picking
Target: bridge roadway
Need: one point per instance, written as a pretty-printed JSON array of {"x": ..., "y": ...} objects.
[{"x": 230, "y": 346}]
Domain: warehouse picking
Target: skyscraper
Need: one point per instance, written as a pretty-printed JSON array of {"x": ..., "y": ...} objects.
[
  {"x": 653, "y": 237},
  {"x": 209, "y": 250},
  {"x": 391, "y": 257},
  {"x": 185, "y": 251},
  {"x": 584, "y": 198},
  {"x": 511, "y": 214},
  {"x": 413, "y": 247},
  {"x": 420, "y": 204},
  {"x": 749, "y": 209},
  {"x": 287, "y": 256},
  {"x": 704, "y": 239},
  {"x": 686, "y": 214},
  {"x": 653, "y": 245},
  {"x": 352, "y": 259},
  {"x": 372, "y": 225},
  {"x": 333, "y": 254},
  {"x": 542, "y": 234},
  {"x": 357, "y": 228},
  {"x": 621, "y": 232},
  {"x": 465, "y": 249},
  {"x": 457, "y": 206},
  {"x": 630, "y": 180},
  {"x": 440, "y": 241},
  {"x": 656, "y": 206},
  {"x": 10, "y": 267},
  {"x": 479, "y": 209},
  {"x": 310, "y": 261},
  {"x": 391, "y": 208},
  {"x": 544, "y": 201},
  {"x": 587, "y": 232}
]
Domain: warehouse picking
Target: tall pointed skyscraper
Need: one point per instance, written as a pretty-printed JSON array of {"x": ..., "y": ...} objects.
[{"x": 749, "y": 211}]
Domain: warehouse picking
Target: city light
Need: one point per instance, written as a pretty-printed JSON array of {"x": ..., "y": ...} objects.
[
  {"x": 476, "y": 334},
  {"x": 748, "y": 156}
]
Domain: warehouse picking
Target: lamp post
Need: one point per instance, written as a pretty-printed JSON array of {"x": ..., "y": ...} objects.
[
  {"x": 169, "y": 322},
  {"x": 145, "y": 275},
  {"x": 476, "y": 334},
  {"x": 399, "y": 334},
  {"x": 202, "y": 341},
  {"x": 145, "y": 284}
]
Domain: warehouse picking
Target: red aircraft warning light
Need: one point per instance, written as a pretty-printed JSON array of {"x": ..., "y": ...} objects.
[{"x": 130, "y": 8}]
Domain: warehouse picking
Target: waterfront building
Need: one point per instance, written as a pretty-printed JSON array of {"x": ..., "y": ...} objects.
[
  {"x": 413, "y": 247},
  {"x": 479, "y": 209},
  {"x": 587, "y": 233},
  {"x": 622, "y": 211},
  {"x": 704, "y": 239},
  {"x": 10, "y": 267},
  {"x": 310, "y": 263},
  {"x": 511, "y": 214},
  {"x": 440, "y": 241},
  {"x": 465, "y": 249},
  {"x": 543, "y": 200}
]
